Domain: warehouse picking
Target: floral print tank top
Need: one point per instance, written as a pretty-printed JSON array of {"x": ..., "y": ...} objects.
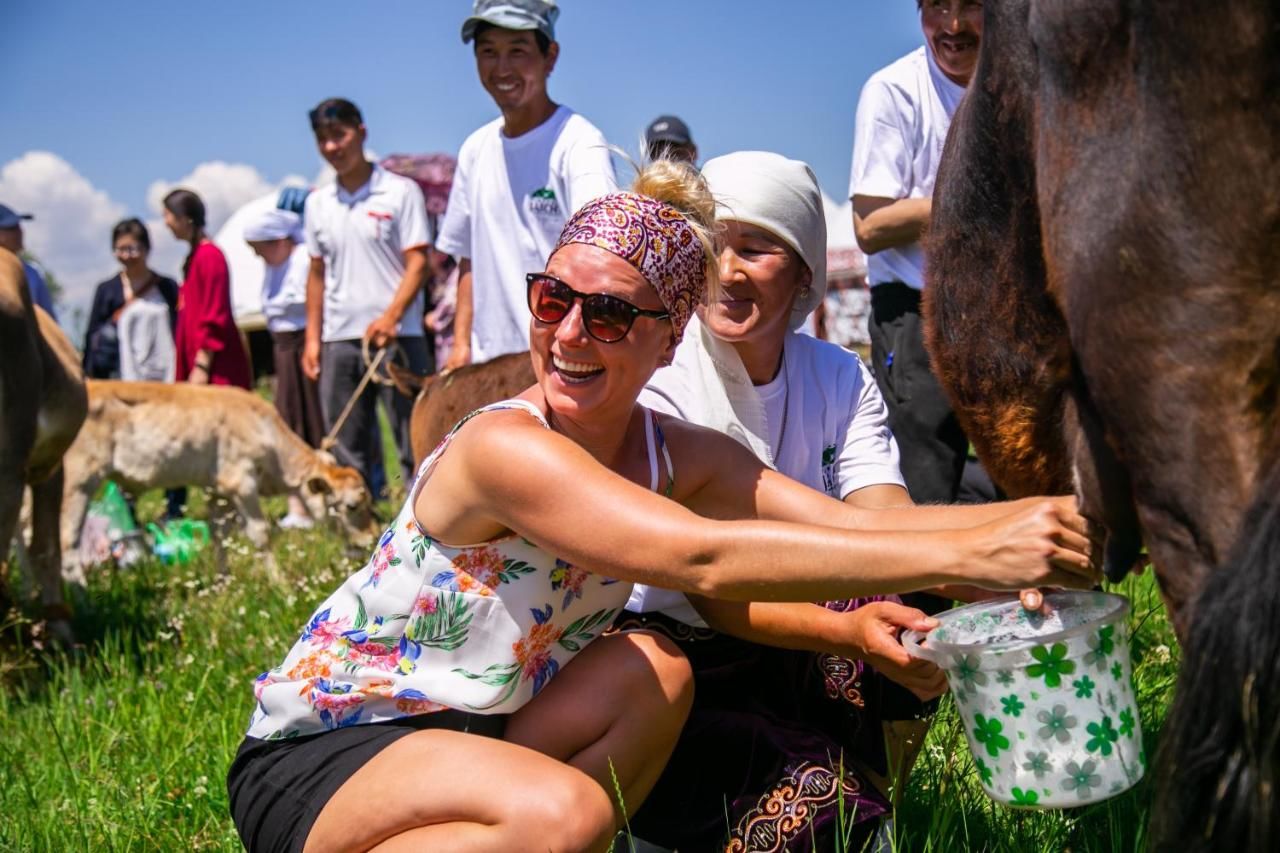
[{"x": 426, "y": 626}]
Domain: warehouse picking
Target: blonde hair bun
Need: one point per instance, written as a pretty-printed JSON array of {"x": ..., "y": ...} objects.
[{"x": 683, "y": 187}]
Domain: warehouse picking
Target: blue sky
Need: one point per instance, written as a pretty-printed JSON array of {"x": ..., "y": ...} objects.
[{"x": 134, "y": 95}]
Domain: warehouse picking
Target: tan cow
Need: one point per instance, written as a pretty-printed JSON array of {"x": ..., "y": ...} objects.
[
  {"x": 42, "y": 405},
  {"x": 446, "y": 398},
  {"x": 148, "y": 435}
]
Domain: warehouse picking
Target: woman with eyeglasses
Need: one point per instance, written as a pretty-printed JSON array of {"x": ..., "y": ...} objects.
[
  {"x": 456, "y": 692},
  {"x": 150, "y": 352}
]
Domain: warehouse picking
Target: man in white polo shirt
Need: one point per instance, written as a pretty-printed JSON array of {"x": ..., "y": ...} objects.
[
  {"x": 367, "y": 237},
  {"x": 902, "y": 120},
  {"x": 519, "y": 178}
]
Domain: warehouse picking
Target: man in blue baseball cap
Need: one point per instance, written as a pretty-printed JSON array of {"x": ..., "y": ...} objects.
[
  {"x": 519, "y": 178},
  {"x": 11, "y": 239}
]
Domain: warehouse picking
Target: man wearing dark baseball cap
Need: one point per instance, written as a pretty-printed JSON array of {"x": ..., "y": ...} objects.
[
  {"x": 11, "y": 238},
  {"x": 519, "y": 178},
  {"x": 668, "y": 137}
]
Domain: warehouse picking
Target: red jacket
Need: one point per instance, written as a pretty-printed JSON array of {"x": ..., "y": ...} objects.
[{"x": 205, "y": 321}]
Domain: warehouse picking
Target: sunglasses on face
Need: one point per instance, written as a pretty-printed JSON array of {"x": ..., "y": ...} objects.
[{"x": 606, "y": 318}]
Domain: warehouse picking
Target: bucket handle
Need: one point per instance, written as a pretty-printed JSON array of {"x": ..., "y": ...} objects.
[{"x": 913, "y": 642}]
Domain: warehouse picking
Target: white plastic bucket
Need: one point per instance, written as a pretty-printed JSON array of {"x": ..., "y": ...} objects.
[{"x": 1046, "y": 697}]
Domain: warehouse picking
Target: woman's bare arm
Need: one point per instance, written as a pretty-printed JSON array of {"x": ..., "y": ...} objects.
[{"x": 551, "y": 491}]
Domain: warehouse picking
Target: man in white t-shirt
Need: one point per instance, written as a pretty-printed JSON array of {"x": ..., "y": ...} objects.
[
  {"x": 367, "y": 237},
  {"x": 902, "y": 120},
  {"x": 519, "y": 178}
]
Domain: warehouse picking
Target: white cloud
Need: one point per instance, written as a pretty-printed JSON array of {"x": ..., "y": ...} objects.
[
  {"x": 223, "y": 187},
  {"x": 71, "y": 232}
]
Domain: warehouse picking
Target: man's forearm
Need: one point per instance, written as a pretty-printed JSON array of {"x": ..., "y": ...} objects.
[
  {"x": 881, "y": 224},
  {"x": 465, "y": 305},
  {"x": 315, "y": 302},
  {"x": 415, "y": 268}
]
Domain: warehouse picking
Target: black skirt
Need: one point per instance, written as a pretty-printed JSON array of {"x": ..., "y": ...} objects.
[{"x": 277, "y": 788}]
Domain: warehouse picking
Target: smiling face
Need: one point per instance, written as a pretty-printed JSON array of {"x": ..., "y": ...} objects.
[
  {"x": 341, "y": 145},
  {"x": 130, "y": 251},
  {"x": 512, "y": 69},
  {"x": 760, "y": 276},
  {"x": 953, "y": 29},
  {"x": 579, "y": 376}
]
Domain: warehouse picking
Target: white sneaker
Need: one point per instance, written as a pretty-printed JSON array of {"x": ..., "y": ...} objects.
[{"x": 295, "y": 522}]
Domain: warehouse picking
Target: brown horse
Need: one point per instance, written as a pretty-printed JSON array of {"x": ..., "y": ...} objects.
[{"x": 1103, "y": 308}]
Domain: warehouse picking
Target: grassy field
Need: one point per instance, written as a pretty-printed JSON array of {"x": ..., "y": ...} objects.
[{"x": 124, "y": 745}]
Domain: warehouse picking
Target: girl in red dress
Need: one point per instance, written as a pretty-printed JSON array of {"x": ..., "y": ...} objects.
[{"x": 210, "y": 351}]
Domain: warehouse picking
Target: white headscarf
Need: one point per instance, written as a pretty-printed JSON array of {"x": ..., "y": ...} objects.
[
  {"x": 273, "y": 224},
  {"x": 782, "y": 196}
]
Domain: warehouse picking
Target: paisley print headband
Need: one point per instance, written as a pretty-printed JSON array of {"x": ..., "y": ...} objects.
[{"x": 654, "y": 238}]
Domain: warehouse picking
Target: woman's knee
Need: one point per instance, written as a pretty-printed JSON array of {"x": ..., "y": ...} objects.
[
  {"x": 660, "y": 656},
  {"x": 568, "y": 811}
]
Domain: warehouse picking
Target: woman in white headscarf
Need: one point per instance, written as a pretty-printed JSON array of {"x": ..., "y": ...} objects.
[
  {"x": 275, "y": 235},
  {"x": 787, "y": 702}
]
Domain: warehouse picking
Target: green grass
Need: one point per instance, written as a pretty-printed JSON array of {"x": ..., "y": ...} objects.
[{"x": 124, "y": 745}]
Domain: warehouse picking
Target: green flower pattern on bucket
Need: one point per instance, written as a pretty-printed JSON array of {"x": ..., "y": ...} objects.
[
  {"x": 1046, "y": 698},
  {"x": 1103, "y": 736},
  {"x": 1101, "y": 646},
  {"x": 1024, "y": 798},
  {"x": 1051, "y": 664},
  {"x": 989, "y": 732}
]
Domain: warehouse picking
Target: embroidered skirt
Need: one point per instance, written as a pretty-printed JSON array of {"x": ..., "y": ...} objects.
[{"x": 771, "y": 755}]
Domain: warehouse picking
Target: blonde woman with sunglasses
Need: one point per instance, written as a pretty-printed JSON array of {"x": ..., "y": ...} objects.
[{"x": 456, "y": 692}]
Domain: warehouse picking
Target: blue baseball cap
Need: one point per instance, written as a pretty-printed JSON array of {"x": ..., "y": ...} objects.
[
  {"x": 537, "y": 15},
  {"x": 9, "y": 218}
]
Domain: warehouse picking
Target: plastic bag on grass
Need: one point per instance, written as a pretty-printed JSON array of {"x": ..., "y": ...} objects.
[
  {"x": 179, "y": 540},
  {"x": 110, "y": 534}
]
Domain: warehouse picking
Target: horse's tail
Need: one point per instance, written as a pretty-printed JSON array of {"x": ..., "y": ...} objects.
[{"x": 1217, "y": 769}]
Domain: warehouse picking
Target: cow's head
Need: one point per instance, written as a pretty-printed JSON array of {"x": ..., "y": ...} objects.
[{"x": 338, "y": 492}]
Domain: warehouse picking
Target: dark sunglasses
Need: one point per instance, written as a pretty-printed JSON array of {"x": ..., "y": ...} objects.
[{"x": 606, "y": 318}]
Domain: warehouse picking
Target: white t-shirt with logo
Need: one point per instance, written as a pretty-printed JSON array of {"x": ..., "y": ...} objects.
[
  {"x": 362, "y": 237},
  {"x": 509, "y": 201},
  {"x": 902, "y": 120},
  {"x": 821, "y": 422},
  {"x": 284, "y": 291}
]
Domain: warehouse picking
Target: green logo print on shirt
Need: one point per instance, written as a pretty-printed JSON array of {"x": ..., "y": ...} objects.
[{"x": 543, "y": 202}]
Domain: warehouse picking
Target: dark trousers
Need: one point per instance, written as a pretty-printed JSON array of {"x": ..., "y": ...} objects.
[
  {"x": 933, "y": 446},
  {"x": 297, "y": 396},
  {"x": 341, "y": 369}
]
